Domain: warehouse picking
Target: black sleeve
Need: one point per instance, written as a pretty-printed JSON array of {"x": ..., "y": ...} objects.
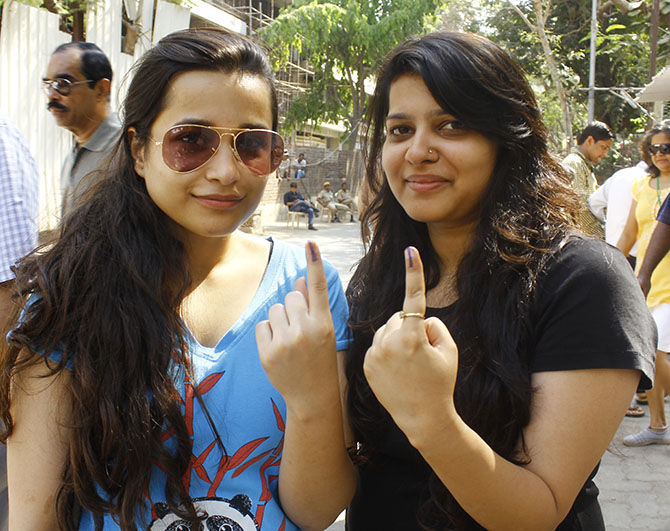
[
  {"x": 664, "y": 212},
  {"x": 287, "y": 197},
  {"x": 591, "y": 313}
]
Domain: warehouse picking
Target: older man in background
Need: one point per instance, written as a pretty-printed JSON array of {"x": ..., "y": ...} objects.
[{"x": 77, "y": 84}]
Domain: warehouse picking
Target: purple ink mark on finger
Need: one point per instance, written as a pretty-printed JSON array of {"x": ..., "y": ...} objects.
[
  {"x": 312, "y": 250},
  {"x": 409, "y": 257}
]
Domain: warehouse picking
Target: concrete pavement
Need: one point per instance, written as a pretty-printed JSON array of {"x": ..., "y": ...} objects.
[{"x": 634, "y": 482}]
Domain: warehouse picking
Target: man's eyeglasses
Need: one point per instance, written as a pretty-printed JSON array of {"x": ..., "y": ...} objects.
[
  {"x": 663, "y": 148},
  {"x": 61, "y": 85},
  {"x": 187, "y": 147}
]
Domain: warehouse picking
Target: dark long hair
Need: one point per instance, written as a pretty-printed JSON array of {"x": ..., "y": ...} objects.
[
  {"x": 106, "y": 295},
  {"x": 524, "y": 216},
  {"x": 659, "y": 127}
]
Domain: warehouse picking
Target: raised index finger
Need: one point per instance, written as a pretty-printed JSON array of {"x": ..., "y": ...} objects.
[
  {"x": 415, "y": 287},
  {"x": 317, "y": 285}
]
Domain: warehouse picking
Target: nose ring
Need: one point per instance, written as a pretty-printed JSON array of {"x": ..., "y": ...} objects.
[{"x": 430, "y": 151}]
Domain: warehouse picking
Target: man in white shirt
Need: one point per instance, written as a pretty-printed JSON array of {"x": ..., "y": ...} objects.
[{"x": 611, "y": 202}]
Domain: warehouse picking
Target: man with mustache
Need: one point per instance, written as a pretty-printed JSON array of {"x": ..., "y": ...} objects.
[{"x": 77, "y": 85}]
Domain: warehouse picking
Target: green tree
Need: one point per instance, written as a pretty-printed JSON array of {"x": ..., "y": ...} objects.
[
  {"x": 343, "y": 41},
  {"x": 623, "y": 51}
]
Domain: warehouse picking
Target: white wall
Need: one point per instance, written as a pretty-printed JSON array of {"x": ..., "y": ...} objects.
[{"x": 27, "y": 37}]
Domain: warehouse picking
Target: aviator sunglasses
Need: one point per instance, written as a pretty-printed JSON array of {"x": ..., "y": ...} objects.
[
  {"x": 187, "y": 147},
  {"x": 663, "y": 148},
  {"x": 61, "y": 85}
]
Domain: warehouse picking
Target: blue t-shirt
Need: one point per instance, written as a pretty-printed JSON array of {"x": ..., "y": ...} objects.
[
  {"x": 238, "y": 489},
  {"x": 664, "y": 212}
]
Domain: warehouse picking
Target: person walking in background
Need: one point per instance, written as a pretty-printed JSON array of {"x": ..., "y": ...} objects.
[
  {"x": 326, "y": 198},
  {"x": 483, "y": 393},
  {"x": 610, "y": 203},
  {"x": 77, "y": 85},
  {"x": 659, "y": 245},
  {"x": 18, "y": 236},
  {"x": 301, "y": 166},
  {"x": 593, "y": 144},
  {"x": 295, "y": 202},
  {"x": 649, "y": 193},
  {"x": 139, "y": 397}
]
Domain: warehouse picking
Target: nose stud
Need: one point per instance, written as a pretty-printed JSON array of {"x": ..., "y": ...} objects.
[{"x": 430, "y": 151}]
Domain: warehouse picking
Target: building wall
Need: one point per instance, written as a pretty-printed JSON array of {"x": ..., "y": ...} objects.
[{"x": 23, "y": 62}]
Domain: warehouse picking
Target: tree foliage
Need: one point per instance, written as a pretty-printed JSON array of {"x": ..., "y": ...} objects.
[
  {"x": 623, "y": 51},
  {"x": 343, "y": 42}
]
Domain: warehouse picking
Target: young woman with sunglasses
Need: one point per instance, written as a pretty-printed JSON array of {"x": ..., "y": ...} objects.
[
  {"x": 133, "y": 391},
  {"x": 648, "y": 195},
  {"x": 480, "y": 316}
]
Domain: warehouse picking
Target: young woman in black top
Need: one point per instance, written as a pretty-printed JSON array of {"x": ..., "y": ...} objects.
[{"x": 494, "y": 411}]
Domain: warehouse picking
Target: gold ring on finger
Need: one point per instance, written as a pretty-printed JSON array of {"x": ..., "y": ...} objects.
[{"x": 412, "y": 314}]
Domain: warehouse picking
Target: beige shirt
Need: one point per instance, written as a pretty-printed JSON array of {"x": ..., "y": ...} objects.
[{"x": 584, "y": 183}]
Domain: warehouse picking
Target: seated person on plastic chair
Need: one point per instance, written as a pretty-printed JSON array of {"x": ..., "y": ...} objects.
[
  {"x": 296, "y": 203},
  {"x": 343, "y": 196},
  {"x": 326, "y": 198}
]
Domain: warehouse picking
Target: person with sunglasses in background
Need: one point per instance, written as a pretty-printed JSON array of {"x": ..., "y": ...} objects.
[
  {"x": 144, "y": 385},
  {"x": 77, "y": 86},
  {"x": 649, "y": 193}
]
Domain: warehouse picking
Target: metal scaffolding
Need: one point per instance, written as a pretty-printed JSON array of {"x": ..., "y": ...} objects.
[{"x": 294, "y": 78}]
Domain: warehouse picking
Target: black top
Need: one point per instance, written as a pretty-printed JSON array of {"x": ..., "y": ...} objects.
[
  {"x": 289, "y": 197},
  {"x": 664, "y": 212},
  {"x": 590, "y": 314}
]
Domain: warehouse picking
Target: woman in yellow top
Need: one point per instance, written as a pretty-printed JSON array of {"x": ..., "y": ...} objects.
[{"x": 649, "y": 193}]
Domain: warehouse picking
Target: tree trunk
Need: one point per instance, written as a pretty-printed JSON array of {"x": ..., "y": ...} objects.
[
  {"x": 538, "y": 28},
  {"x": 653, "y": 39},
  {"x": 540, "y": 17},
  {"x": 623, "y": 5}
]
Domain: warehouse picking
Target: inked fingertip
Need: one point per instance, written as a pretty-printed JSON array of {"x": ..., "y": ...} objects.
[
  {"x": 410, "y": 259},
  {"x": 312, "y": 251}
]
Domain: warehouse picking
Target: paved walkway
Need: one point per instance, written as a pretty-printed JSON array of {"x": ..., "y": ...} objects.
[{"x": 634, "y": 482}]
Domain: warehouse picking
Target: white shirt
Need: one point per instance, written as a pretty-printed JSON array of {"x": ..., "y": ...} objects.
[{"x": 611, "y": 202}]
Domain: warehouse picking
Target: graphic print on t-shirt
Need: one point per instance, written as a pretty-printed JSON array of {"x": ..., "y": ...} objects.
[
  {"x": 228, "y": 465},
  {"x": 222, "y": 515}
]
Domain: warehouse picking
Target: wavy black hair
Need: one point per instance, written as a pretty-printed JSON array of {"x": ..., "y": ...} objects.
[
  {"x": 106, "y": 295},
  {"x": 524, "y": 216}
]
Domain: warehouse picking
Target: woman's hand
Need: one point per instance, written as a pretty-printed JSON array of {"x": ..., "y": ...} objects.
[
  {"x": 296, "y": 344},
  {"x": 412, "y": 363},
  {"x": 297, "y": 348}
]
